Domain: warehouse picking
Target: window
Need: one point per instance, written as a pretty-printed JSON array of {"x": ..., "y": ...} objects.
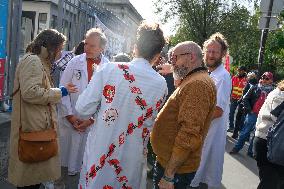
[
  {"x": 53, "y": 22},
  {"x": 42, "y": 19}
]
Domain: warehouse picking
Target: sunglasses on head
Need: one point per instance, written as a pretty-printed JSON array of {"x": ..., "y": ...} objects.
[{"x": 264, "y": 78}]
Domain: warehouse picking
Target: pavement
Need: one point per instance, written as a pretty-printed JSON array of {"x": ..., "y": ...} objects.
[{"x": 240, "y": 171}]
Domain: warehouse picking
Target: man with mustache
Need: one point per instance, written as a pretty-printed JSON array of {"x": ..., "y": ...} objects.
[
  {"x": 183, "y": 122},
  {"x": 212, "y": 159}
]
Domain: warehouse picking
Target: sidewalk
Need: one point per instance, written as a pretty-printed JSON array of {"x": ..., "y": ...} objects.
[
  {"x": 5, "y": 120},
  {"x": 238, "y": 169}
]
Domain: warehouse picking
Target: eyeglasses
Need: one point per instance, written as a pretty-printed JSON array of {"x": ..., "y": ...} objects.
[
  {"x": 264, "y": 78},
  {"x": 174, "y": 57},
  {"x": 212, "y": 51},
  {"x": 159, "y": 61}
]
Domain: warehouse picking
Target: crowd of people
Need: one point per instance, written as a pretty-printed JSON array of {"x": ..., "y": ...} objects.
[{"x": 102, "y": 119}]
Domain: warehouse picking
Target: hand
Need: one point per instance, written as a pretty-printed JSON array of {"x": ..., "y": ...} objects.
[
  {"x": 84, "y": 124},
  {"x": 145, "y": 152},
  {"x": 71, "y": 88},
  {"x": 177, "y": 82},
  {"x": 165, "y": 69},
  {"x": 75, "y": 121},
  {"x": 163, "y": 184}
]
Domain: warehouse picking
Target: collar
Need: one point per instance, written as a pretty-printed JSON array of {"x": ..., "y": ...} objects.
[
  {"x": 141, "y": 62},
  {"x": 195, "y": 70},
  {"x": 218, "y": 69}
]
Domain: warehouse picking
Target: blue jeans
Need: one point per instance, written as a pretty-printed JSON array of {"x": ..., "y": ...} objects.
[
  {"x": 183, "y": 180},
  {"x": 233, "y": 107},
  {"x": 250, "y": 148},
  {"x": 249, "y": 126}
]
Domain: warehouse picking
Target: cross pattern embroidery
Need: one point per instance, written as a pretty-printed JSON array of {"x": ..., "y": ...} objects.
[{"x": 91, "y": 174}]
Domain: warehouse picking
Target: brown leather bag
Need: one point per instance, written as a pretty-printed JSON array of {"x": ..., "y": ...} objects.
[{"x": 37, "y": 146}]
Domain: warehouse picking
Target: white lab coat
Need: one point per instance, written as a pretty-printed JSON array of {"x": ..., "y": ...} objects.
[
  {"x": 211, "y": 166},
  {"x": 72, "y": 142},
  {"x": 114, "y": 150}
]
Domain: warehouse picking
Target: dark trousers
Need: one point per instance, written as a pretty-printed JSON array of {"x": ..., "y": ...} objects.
[
  {"x": 240, "y": 118},
  {"x": 249, "y": 126},
  {"x": 151, "y": 156},
  {"x": 271, "y": 176},
  {"x": 183, "y": 180},
  {"x": 30, "y": 187},
  {"x": 233, "y": 107}
]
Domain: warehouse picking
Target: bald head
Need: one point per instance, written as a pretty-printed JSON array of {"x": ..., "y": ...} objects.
[
  {"x": 190, "y": 47},
  {"x": 186, "y": 56}
]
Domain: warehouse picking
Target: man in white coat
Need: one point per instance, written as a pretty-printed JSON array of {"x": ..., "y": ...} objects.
[
  {"x": 212, "y": 159},
  {"x": 125, "y": 99},
  {"x": 73, "y": 127}
]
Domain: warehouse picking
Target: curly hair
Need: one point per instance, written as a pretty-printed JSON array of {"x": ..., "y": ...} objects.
[
  {"x": 280, "y": 85},
  {"x": 219, "y": 38},
  {"x": 50, "y": 39},
  {"x": 149, "y": 40}
]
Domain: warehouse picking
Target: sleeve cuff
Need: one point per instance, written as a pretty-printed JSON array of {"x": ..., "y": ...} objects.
[
  {"x": 55, "y": 95},
  {"x": 64, "y": 91}
]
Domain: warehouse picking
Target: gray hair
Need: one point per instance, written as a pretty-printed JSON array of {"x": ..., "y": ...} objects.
[{"x": 97, "y": 32}]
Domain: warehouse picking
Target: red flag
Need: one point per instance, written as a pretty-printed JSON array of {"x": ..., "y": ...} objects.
[{"x": 227, "y": 62}]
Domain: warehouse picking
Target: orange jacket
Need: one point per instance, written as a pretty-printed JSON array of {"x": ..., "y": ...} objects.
[{"x": 238, "y": 85}]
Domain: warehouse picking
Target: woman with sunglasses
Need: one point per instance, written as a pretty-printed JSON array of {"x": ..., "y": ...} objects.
[{"x": 253, "y": 100}]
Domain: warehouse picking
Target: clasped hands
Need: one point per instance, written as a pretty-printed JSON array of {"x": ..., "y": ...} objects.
[{"x": 78, "y": 124}]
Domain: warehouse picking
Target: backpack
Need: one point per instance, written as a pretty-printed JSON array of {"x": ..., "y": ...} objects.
[{"x": 275, "y": 137}]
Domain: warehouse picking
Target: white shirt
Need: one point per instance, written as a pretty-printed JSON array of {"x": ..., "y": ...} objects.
[
  {"x": 211, "y": 166},
  {"x": 265, "y": 119},
  {"x": 72, "y": 142},
  {"x": 114, "y": 150}
]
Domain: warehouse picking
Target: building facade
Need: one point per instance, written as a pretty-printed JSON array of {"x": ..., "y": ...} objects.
[{"x": 125, "y": 11}]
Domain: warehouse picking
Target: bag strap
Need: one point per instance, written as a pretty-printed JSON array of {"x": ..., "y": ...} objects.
[
  {"x": 277, "y": 111},
  {"x": 17, "y": 90}
]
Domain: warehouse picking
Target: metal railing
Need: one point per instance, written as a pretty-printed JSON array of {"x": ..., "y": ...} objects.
[{"x": 74, "y": 18}]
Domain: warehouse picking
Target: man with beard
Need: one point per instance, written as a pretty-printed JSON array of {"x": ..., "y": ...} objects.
[
  {"x": 212, "y": 159},
  {"x": 183, "y": 122}
]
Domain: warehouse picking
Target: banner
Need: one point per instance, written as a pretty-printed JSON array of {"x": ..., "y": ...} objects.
[
  {"x": 3, "y": 39},
  {"x": 227, "y": 62},
  {"x": 2, "y": 77}
]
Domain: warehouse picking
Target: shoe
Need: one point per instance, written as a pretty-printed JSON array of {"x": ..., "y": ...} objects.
[
  {"x": 233, "y": 151},
  {"x": 230, "y": 130},
  {"x": 72, "y": 173}
]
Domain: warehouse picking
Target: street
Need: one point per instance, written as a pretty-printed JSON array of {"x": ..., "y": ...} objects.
[{"x": 240, "y": 170}]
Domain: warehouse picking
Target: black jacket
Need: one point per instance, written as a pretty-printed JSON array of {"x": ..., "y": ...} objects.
[
  {"x": 251, "y": 97},
  {"x": 251, "y": 82}
]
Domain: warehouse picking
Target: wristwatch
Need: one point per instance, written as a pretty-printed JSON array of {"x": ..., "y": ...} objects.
[{"x": 168, "y": 179}]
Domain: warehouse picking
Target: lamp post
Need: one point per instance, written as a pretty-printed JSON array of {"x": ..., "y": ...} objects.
[{"x": 264, "y": 35}]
